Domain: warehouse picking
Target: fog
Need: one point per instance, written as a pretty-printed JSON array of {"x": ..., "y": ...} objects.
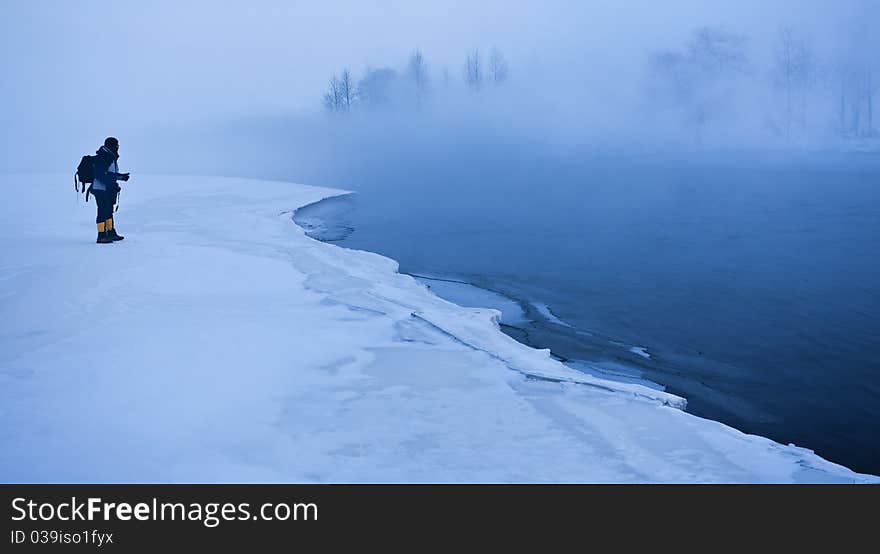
[
  {"x": 237, "y": 87},
  {"x": 693, "y": 177}
]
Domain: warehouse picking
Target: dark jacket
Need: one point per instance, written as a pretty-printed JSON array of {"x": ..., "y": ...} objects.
[{"x": 106, "y": 170}]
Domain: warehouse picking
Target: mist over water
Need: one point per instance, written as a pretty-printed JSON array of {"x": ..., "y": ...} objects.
[{"x": 186, "y": 82}]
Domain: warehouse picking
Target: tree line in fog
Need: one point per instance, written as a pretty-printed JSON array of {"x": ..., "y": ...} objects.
[
  {"x": 712, "y": 80},
  {"x": 386, "y": 87},
  {"x": 798, "y": 89}
]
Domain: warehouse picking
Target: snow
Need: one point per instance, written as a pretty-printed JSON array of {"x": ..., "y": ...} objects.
[
  {"x": 472, "y": 296},
  {"x": 219, "y": 343},
  {"x": 544, "y": 310},
  {"x": 614, "y": 371},
  {"x": 641, "y": 351}
]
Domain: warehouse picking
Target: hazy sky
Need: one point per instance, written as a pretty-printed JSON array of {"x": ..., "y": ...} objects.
[{"x": 87, "y": 66}]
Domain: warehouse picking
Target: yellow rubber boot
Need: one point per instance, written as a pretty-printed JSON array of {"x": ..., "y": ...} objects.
[
  {"x": 111, "y": 232},
  {"x": 103, "y": 235}
]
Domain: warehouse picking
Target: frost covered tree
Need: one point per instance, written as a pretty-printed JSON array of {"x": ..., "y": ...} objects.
[
  {"x": 870, "y": 91},
  {"x": 417, "y": 74},
  {"x": 857, "y": 90},
  {"x": 855, "y": 65},
  {"x": 473, "y": 70},
  {"x": 379, "y": 88},
  {"x": 794, "y": 74},
  {"x": 497, "y": 68},
  {"x": 699, "y": 80},
  {"x": 715, "y": 51}
]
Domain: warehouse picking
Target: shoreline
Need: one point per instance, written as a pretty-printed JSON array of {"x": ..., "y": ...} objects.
[
  {"x": 546, "y": 363},
  {"x": 615, "y": 369},
  {"x": 633, "y": 364},
  {"x": 618, "y": 369},
  {"x": 242, "y": 350}
]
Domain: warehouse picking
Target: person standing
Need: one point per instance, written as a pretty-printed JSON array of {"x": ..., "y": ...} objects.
[{"x": 105, "y": 189}]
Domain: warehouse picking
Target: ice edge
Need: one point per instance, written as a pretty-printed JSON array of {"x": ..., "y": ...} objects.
[{"x": 479, "y": 329}]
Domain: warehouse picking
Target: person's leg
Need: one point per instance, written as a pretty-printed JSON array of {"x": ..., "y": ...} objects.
[
  {"x": 105, "y": 211},
  {"x": 110, "y": 224}
]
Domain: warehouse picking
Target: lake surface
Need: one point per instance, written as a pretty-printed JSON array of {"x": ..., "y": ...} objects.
[{"x": 749, "y": 285}]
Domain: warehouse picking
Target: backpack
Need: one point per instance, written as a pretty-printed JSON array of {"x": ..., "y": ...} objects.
[{"x": 85, "y": 174}]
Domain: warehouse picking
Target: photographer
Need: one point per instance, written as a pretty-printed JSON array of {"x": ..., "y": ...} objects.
[{"x": 105, "y": 189}]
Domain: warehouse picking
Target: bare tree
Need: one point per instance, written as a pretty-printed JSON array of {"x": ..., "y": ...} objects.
[
  {"x": 340, "y": 93},
  {"x": 870, "y": 90},
  {"x": 785, "y": 73},
  {"x": 346, "y": 90},
  {"x": 497, "y": 68},
  {"x": 794, "y": 74},
  {"x": 866, "y": 89},
  {"x": 842, "y": 75},
  {"x": 855, "y": 68},
  {"x": 333, "y": 96},
  {"x": 417, "y": 72},
  {"x": 473, "y": 70},
  {"x": 857, "y": 89}
]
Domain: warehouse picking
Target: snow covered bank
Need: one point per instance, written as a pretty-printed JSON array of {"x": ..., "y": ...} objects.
[
  {"x": 219, "y": 343},
  {"x": 466, "y": 294}
]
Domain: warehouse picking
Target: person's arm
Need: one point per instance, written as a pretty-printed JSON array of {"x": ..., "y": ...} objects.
[{"x": 103, "y": 173}]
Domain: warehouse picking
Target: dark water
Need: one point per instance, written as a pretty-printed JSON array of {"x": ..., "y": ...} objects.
[{"x": 753, "y": 283}]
